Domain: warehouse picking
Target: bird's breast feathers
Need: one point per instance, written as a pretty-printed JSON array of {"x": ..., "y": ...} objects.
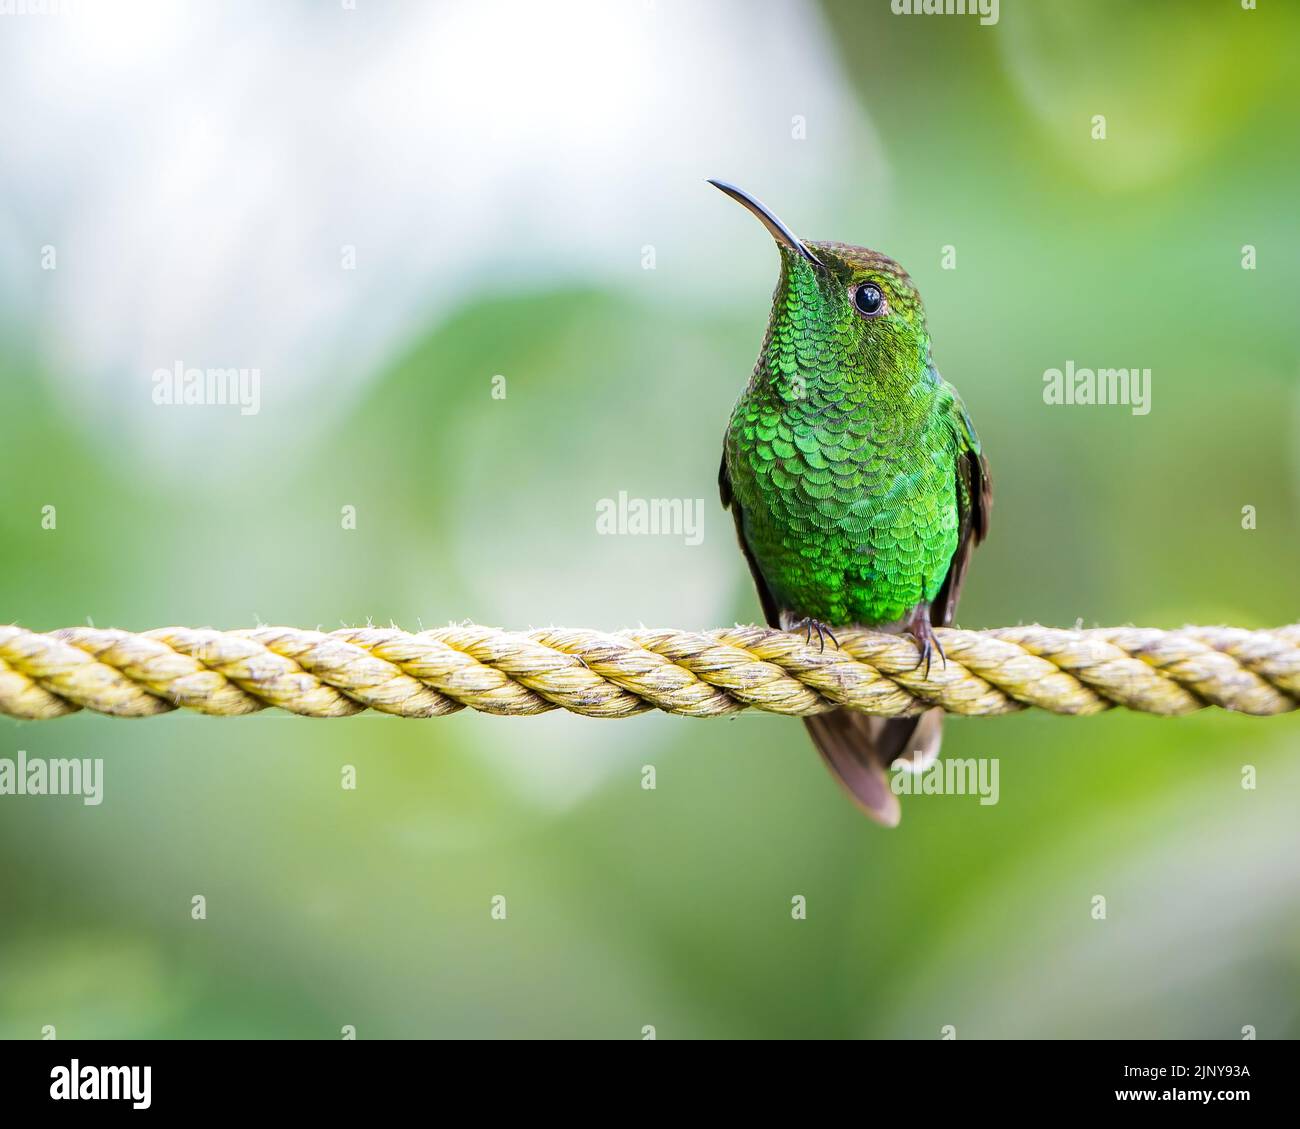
[{"x": 846, "y": 516}]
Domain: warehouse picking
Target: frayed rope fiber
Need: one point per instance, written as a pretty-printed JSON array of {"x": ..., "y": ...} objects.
[{"x": 599, "y": 674}]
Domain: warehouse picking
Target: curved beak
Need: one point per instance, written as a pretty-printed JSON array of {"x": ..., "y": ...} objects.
[{"x": 780, "y": 232}]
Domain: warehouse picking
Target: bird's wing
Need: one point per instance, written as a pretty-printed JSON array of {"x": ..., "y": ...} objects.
[
  {"x": 770, "y": 611},
  {"x": 974, "y": 501},
  {"x": 922, "y": 737}
]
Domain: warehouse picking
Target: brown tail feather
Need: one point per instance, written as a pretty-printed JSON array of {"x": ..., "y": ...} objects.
[
  {"x": 859, "y": 749},
  {"x": 923, "y": 741}
]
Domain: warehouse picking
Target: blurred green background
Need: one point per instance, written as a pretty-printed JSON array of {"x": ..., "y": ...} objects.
[{"x": 671, "y": 907}]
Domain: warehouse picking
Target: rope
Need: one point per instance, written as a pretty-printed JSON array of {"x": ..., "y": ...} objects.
[{"x": 697, "y": 674}]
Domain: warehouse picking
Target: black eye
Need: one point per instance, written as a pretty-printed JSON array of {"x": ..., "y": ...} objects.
[{"x": 869, "y": 300}]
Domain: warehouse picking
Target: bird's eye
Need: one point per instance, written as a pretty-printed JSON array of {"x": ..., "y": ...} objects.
[{"x": 868, "y": 299}]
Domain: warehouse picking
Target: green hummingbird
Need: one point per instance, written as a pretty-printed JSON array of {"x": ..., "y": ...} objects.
[{"x": 856, "y": 481}]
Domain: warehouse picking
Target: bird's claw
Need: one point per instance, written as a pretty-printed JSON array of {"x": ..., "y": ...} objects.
[
  {"x": 928, "y": 642},
  {"x": 810, "y": 625}
]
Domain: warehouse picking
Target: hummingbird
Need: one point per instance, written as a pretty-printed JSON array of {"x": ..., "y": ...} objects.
[{"x": 856, "y": 481}]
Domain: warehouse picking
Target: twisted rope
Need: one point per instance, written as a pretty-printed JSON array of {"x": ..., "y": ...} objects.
[{"x": 697, "y": 674}]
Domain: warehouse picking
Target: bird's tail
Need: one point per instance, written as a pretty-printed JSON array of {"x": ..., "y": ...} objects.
[{"x": 858, "y": 749}]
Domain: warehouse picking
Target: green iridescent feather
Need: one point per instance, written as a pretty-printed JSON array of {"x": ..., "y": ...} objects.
[{"x": 851, "y": 462}]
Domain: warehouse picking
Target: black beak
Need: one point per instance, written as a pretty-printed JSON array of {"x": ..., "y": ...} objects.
[{"x": 780, "y": 232}]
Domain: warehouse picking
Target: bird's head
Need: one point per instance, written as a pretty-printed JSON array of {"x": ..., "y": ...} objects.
[{"x": 855, "y": 301}]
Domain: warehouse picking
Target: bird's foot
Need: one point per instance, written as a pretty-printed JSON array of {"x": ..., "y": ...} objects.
[
  {"x": 922, "y": 630},
  {"x": 810, "y": 625}
]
